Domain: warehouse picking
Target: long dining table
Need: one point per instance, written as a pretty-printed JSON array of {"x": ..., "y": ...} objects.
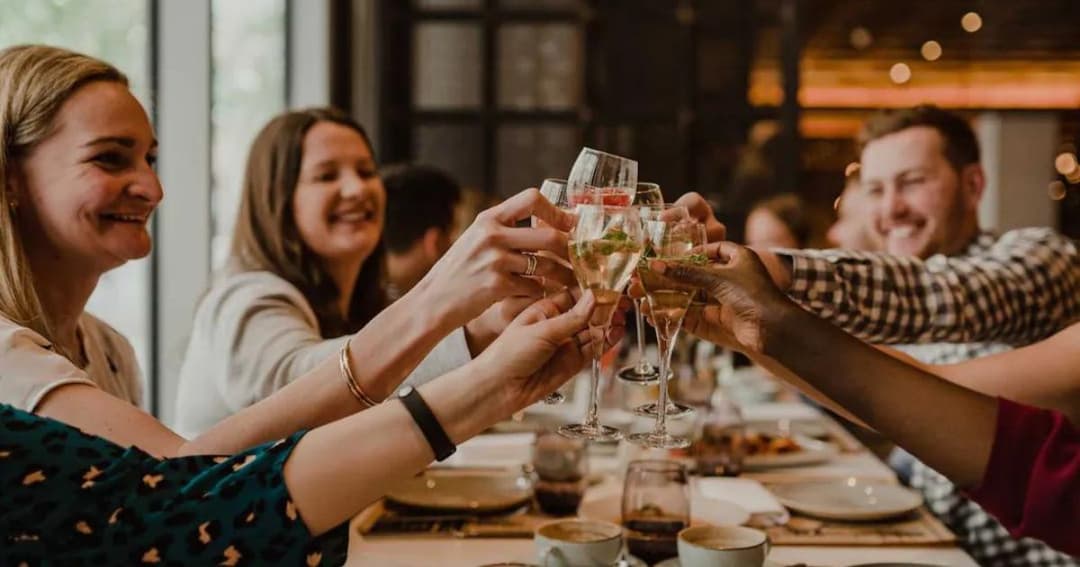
[{"x": 411, "y": 550}]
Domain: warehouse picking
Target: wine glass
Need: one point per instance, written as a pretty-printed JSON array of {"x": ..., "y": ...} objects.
[
  {"x": 554, "y": 190},
  {"x": 605, "y": 245},
  {"x": 600, "y": 178},
  {"x": 671, "y": 235},
  {"x": 655, "y": 508},
  {"x": 647, "y": 194}
]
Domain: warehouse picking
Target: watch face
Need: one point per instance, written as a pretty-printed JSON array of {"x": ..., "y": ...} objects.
[{"x": 405, "y": 391}]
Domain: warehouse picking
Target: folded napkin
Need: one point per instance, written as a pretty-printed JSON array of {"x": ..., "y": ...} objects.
[{"x": 750, "y": 495}]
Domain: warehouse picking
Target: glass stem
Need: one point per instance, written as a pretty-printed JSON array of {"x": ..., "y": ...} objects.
[
  {"x": 592, "y": 418},
  {"x": 643, "y": 366},
  {"x": 665, "y": 339}
]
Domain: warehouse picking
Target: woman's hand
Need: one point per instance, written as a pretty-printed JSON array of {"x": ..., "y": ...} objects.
[
  {"x": 489, "y": 261},
  {"x": 545, "y": 345},
  {"x": 742, "y": 289},
  {"x": 701, "y": 211}
]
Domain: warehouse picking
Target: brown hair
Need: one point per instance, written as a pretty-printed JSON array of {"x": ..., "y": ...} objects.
[
  {"x": 961, "y": 146},
  {"x": 791, "y": 211},
  {"x": 35, "y": 81},
  {"x": 266, "y": 236}
]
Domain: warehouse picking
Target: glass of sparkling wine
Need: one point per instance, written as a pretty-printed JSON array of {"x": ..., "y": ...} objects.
[
  {"x": 554, "y": 190},
  {"x": 644, "y": 372},
  {"x": 600, "y": 178},
  {"x": 670, "y": 235},
  {"x": 605, "y": 246}
]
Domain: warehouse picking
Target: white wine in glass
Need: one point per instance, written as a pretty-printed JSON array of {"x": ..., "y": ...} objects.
[
  {"x": 672, "y": 236},
  {"x": 644, "y": 372},
  {"x": 605, "y": 246}
]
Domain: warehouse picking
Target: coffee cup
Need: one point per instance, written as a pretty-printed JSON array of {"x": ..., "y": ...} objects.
[
  {"x": 578, "y": 543},
  {"x": 722, "y": 546}
]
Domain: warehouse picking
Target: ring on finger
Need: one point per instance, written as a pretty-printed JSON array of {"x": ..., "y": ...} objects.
[{"x": 530, "y": 269}]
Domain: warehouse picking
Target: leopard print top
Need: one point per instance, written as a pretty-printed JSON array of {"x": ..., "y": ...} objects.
[{"x": 69, "y": 498}]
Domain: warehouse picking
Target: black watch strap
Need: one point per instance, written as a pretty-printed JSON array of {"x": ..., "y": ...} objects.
[{"x": 429, "y": 425}]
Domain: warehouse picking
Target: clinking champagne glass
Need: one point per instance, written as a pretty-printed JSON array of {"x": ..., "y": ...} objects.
[
  {"x": 605, "y": 246},
  {"x": 554, "y": 190},
  {"x": 671, "y": 235},
  {"x": 644, "y": 372},
  {"x": 600, "y": 178}
]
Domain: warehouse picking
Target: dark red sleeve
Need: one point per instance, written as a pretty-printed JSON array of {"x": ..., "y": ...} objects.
[{"x": 1032, "y": 482}]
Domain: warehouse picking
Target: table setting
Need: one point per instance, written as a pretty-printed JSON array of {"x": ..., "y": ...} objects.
[{"x": 666, "y": 455}]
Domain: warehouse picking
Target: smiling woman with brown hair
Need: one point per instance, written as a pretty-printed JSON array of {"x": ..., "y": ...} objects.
[{"x": 306, "y": 272}]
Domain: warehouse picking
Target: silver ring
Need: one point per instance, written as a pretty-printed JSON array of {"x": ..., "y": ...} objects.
[{"x": 530, "y": 270}]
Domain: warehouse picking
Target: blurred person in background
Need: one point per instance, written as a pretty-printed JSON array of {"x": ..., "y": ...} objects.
[
  {"x": 778, "y": 222},
  {"x": 852, "y": 230},
  {"x": 941, "y": 287},
  {"x": 421, "y": 202}
]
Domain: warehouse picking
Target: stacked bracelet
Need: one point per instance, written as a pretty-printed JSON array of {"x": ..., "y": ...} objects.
[{"x": 350, "y": 380}]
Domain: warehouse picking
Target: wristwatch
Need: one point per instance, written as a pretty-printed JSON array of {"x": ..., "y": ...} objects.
[{"x": 429, "y": 425}]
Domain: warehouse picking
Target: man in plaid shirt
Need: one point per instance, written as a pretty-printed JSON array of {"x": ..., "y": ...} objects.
[{"x": 939, "y": 280}]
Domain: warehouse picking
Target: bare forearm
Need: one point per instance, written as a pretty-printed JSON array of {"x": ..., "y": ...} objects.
[
  {"x": 338, "y": 469},
  {"x": 382, "y": 354},
  {"x": 946, "y": 425}
]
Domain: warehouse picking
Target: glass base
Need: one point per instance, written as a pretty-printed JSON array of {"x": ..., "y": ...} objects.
[
  {"x": 655, "y": 441},
  {"x": 673, "y": 410},
  {"x": 597, "y": 433},
  {"x": 554, "y": 398},
  {"x": 631, "y": 374}
]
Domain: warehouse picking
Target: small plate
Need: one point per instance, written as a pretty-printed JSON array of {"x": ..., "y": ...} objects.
[
  {"x": 811, "y": 452},
  {"x": 850, "y": 499},
  {"x": 463, "y": 492}
]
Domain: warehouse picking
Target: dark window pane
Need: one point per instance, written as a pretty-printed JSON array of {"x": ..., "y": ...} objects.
[
  {"x": 455, "y": 148},
  {"x": 540, "y": 4},
  {"x": 447, "y": 62},
  {"x": 540, "y": 67},
  {"x": 448, "y": 4},
  {"x": 528, "y": 154}
]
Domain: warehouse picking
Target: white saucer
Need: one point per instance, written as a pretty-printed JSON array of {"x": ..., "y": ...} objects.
[{"x": 850, "y": 499}]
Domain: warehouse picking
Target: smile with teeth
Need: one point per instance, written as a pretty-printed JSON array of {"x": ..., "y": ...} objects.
[
  {"x": 358, "y": 214},
  {"x": 123, "y": 217}
]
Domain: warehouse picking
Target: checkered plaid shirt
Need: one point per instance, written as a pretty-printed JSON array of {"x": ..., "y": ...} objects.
[
  {"x": 1000, "y": 292},
  {"x": 1016, "y": 289}
]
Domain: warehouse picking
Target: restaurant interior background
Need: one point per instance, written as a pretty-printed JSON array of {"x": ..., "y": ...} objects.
[{"x": 737, "y": 100}]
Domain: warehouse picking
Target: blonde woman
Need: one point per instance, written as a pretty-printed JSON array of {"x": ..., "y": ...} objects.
[
  {"x": 306, "y": 273},
  {"x": 77, "y": 187}
]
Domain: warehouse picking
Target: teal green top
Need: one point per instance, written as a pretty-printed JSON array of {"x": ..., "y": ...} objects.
[{"x": 70, "y": 498}]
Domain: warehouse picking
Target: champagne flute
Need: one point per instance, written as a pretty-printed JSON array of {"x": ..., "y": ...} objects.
[
  {"x": 671, "y": 235},
  {"x": 647, "y": 194},
  {"x": 600, "y": 178},
  {"x": 554, "y": 190},
  {"x": 605, "y": 246}
]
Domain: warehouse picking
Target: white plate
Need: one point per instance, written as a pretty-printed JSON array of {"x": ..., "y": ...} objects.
[
  {"x": 604, "y": 504},
  {"x": 849, "y": 499},
  {"x": 455, "y": 491},
  {"x": 812, "y": 452}
]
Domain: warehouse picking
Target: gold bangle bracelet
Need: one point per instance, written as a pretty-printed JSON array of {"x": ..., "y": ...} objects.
[{"x": 350, "y": 380}]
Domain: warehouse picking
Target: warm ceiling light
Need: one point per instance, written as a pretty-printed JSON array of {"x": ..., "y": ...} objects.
[
  {"x": 860, "y": 38},
  {"x": 900, "y": 73},
  {"x": 931, "y": 50},
  {"x": 971, "y": 22},
  {"x": 1066, "y": 163},
  {"x": 1056, "y": 190}
]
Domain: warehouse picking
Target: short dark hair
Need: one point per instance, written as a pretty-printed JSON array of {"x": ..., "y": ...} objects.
[
  {"x": 418, "y": 197},
  {"x": 961, "y": 146},
  {"x": 790, "y": 209}
]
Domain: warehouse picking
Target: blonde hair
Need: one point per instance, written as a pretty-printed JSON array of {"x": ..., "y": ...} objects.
[{"x": 35, "y": 81}]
